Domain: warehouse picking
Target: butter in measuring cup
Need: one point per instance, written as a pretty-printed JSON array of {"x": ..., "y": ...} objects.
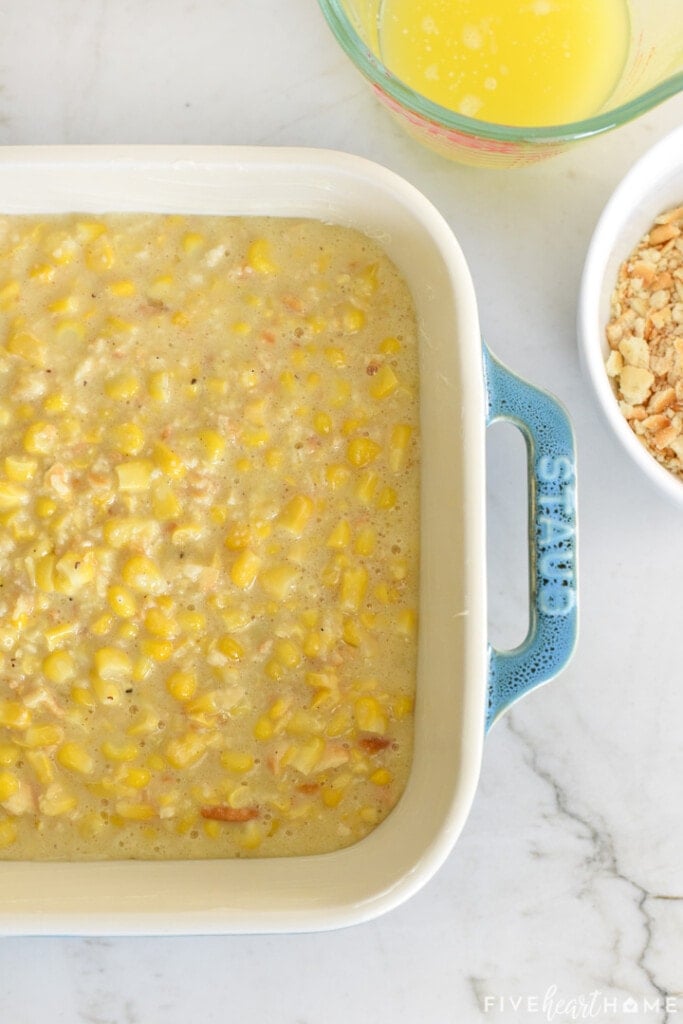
[
  {"x": 542, "y": 62},
  {"x": 209, "y": 507}
]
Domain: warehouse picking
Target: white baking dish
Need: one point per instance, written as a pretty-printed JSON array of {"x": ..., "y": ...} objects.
[{"x": 462, "y": 684}]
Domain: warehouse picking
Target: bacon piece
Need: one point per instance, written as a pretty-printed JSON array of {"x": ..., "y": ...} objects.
[
  {"x": 221, "y": 812},
  {"x": 373, "y": 744}
]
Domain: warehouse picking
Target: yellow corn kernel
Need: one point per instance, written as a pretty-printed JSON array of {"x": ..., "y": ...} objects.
[
  {"x": 89, "y": 230},
  {"x": 305, "y": 757},
  {"x": 101, "y": 625},
  {"x": 67, "y": 304},
  {"x": 322, "y": 423},
  {"x": 57, "y": 634},
  {"x": 236, "y": 761},
  {"x": 365, "y": 541},
  {"x": 191, "y": 622},
  {"x": 43, "y": 736},
  {"x": 20, "y": 470},
  {"x": 213, "y": 444},
  {"x": 369, "y": 715},
  {"x": 134, "y": 476},
  {"x": 45, "y": 507},
  {"x": 122, "y": 289},
  {"x": 384, "y": 383},
  {"x": 59, "y": 667},
  {"x": 278, "y": 580},
  {"x": 398, "y": 446},
  {"x": 352, "y": 634},
  {"x": 353, "y": 319},
  {"x": 75, "y": 758},
  {"x": 182, "y": 685},
  {"x": 241, "y": 327},
  {"x": 119, "y": 751},
  {"x": 137, "y": 778},
  {"x": 83, "y": 696},
  {"x": 296, "y": 514},
  {"x": 168, "y": 461},
  {"x": 402, "y": 706},
  {"x": 340, "y": 536},
  {"x": 56, "y": 402},
  {"x": 337, "y": 476},
  {"x": 8, "y": 294},
  {"x": 8, "y": 832},
  {"x": 134, "y": 812},
  {"x": 185, "y": 751},
  {"x": 122, "y": 387},
  {"x": 231, "y": 648},
  {"x": 256, "y": 438},
  {"x": 361, "y": 451},
  {"x": 14, "y": 715},
  {"x": 160, "y": 286},
  {"x": 128, "y": 438},
  {"x": 142, "y": 574},
  {"x": 381, "y": 777},
  {"x": 212, "y": 829},
  {"x": 336, "y": 357},
  {"x": 74, "y": 570},
  {"x": 316, "y": 324},
  {"x": 386, "y": 498},
  {"x": 120, "y": 531},
  {"x": 159, "y": 386},
  {"x": 12, "y": 496},
  {"x": 302, "y": 723},
  {"x": 45, "y": 573},
  {"x": 252, "y": 836},
  {"x": 288, "y": 653},
  {"x": 9, "y": 784},
  {"x": 99, "y": 256},
  {"x": 112, "y": 664},
  {"x": 390, "y": 346},
  {"x": 407, "y": 622},
  {"x": 274, "y": 670},
  {"x": 366, "y": 486},
  {"x": 245, "y": 569},
  {"x": 192, "y": 241},
  {"x": 238, "y": 536},
  {"x": 41, "y": 272},
  {"x": 157, "y": 650},
  {"x": 264, "y": 728},
  {"x": 9, "y": 754},
  {"x": 165, "y": 502},
  {"x": 121, "y": 601},
  {"x": 354, "y": 584},
  {"x": 259, "y": 258},
  {"x": 29, "y": 348},
  {"x": 146, "y": 721},
  {"x": 42, "y": 765},
  {"x": 56, "y": 800},
  {"x": 160, "y": 624}
]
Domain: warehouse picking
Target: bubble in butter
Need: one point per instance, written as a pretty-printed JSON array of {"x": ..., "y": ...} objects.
[{"x": 537, "y": 63}]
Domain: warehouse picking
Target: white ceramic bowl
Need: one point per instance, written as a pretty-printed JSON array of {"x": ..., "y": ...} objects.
[
  {"x": 462, "y": 683},
  {"x": 653, "y": 185}
]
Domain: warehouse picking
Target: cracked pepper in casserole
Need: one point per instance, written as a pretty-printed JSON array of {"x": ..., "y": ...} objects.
[{"x": 208, "y": 529}]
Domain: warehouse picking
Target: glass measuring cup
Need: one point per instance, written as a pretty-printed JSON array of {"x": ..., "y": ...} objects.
[{"x": 652, "y": 72}]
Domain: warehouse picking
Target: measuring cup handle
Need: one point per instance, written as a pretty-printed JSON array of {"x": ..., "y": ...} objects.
[{"x": 553, "y": 620}]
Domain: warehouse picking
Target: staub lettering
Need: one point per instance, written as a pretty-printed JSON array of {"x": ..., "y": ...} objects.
[{"x": 555, "y": 502}]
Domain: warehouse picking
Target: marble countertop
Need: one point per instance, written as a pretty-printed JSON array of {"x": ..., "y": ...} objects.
[{"x": 563, "y": 898}]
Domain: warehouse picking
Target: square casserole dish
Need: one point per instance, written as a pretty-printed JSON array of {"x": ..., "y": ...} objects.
[{"x": 459, "y": 677}]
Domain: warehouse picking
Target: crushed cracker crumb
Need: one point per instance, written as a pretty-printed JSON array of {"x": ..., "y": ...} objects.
[{"x": 645, "y": 337}]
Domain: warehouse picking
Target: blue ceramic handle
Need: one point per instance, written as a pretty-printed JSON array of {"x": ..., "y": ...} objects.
[{"x": 552, "y": 632}]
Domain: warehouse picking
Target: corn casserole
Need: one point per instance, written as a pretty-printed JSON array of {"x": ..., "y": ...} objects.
[{"x": 209, "y": 472}]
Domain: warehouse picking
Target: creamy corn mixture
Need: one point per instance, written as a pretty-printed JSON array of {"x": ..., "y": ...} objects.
[{"x": 208, "y": 531}]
